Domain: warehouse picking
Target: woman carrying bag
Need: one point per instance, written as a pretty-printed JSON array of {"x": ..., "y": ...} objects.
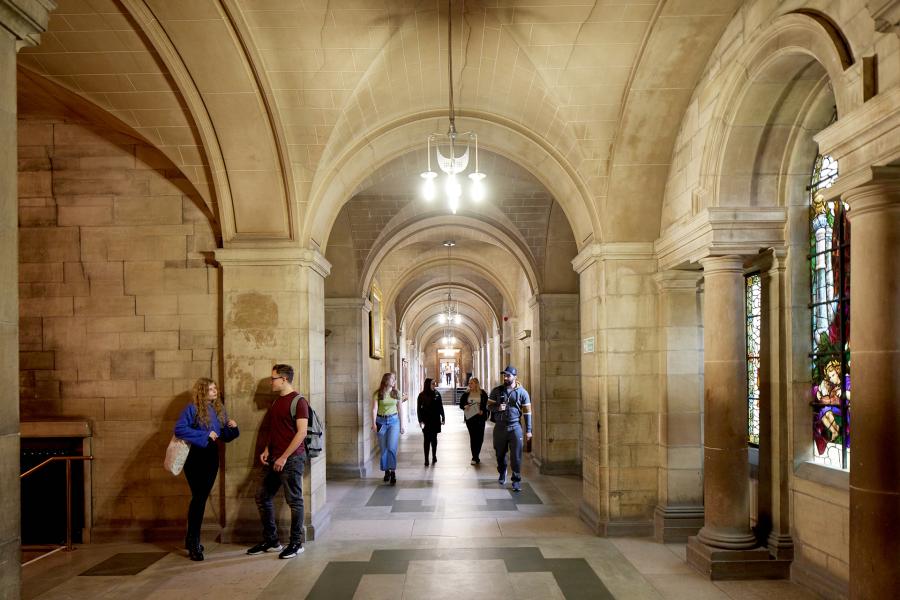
[
  {"x": 202, "y": 423},
  {"x": 431, "y": 417},
  {"x": 474, "y": 405}
]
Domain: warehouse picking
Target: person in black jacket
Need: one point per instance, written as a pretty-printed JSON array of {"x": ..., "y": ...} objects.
[
  {"x": 431, "y": 417},
  {"x": 202, "y": 423},
  {"x": 474, "y": 404}
]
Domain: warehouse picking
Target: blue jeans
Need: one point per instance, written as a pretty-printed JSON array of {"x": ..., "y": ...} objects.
[
  {"x": 388, "y": 438},
  {"x": 291, "y": 477}
]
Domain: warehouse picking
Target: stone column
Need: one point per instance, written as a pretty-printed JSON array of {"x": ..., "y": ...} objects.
[
  {"x": 725, "y": 548},
  {"x": 679, "y": 513},
  {"x": 725, "y": 464},
  {"x": 875, "y": 346},
  {"x": 20, "y": 24},
  {"x": 273, "y": 311},
  {"x": 773, "y": 496},
  {"x": 349, "y": 436}
]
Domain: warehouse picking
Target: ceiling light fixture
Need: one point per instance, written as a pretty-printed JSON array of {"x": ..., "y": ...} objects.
[{"x": 451, "y": 164}]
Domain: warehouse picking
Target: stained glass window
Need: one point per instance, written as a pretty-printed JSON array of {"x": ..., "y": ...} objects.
[
  {"x": 829, "y": 263},
  {"x": 753, "y": 289}
]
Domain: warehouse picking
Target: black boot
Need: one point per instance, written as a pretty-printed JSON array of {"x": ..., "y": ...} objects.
[
  {"x": 393, "y": 478},
  {"x": 196, "y": 553}
]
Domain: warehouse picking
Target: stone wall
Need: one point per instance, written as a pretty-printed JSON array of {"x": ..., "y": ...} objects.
[{"x": 118, "y": 308}]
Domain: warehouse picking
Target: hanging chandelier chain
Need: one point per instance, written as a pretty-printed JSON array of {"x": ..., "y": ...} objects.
[{"x": 450, "y": 65}]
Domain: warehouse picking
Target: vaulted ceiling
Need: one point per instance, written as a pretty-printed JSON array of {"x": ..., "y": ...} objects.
[{"x": 303, "y": 122}]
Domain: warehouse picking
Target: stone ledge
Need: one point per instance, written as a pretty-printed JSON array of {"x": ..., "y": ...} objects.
[{"x": 55, "y": 429}]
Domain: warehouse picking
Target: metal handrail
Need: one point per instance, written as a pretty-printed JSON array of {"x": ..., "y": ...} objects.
[{"x": 68, "y": 460}]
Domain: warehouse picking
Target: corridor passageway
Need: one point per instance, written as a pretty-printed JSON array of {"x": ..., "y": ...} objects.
[{"x": 443, "y": 532}]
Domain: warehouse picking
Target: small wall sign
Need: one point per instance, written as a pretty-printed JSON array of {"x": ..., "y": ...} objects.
[{"x": 587, "y": 345}]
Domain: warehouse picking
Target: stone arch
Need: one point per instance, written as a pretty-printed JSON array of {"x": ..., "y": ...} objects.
[
  {"x": 335, "y": 183},
  {"x": 402, "y": 235},
  {"x": 425, "y": 266},
  {"x": 793, "y": 47}
]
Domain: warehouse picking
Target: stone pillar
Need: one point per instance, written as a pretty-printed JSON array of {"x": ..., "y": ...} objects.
[
  {"x": 875, "y": 346},
  {"x": 557, "y": 383},
  {"x": 349, "y": 438},
  {"x": 619, "y": 387},
  {"x": 679, "y": 513},
  {"x": 725, "y": 548},
  {"x": 273, "y": 311},
  {"x": 773, "y": 494},
  {"x": 20, "y": 24}
]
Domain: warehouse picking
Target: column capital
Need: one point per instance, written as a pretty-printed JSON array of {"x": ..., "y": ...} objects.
[
  {"x": 593, "y": 253},
  {"x": 722, "y": 264},
  {"x": 26, "y": 20},
  {"x": 880, "y": 192},
  {"x": 359, "y": 303},
  {"x": 675, "y": 280},
  {"x": 720, "y": 231},
  {"x": 260, "y": 257}
]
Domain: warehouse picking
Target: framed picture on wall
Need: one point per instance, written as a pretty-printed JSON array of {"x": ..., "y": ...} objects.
[{"x": 376, "y": 325}]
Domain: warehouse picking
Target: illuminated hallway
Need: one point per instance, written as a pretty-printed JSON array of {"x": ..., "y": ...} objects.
[{"x": 444, "y": 532}]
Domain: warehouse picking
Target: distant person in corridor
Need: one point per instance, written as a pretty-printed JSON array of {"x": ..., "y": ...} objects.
[
  {"x": 508, "y": 403},
  {"x": 389, "y": 423},
  {"x": 474, "y": 405},
  {"x": 430, "y": 409}
]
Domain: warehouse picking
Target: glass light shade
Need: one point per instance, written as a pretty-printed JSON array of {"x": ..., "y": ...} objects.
[
  {"x": 457, "y": 319},
  {"x": 477, "y": 189},
  {"x": 443, "y": 318},
  {"x": 428, "y": 191}
]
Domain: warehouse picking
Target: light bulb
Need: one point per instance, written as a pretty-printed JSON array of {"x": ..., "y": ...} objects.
[
  {"x": 477, "y": 189},
  {"x": 454, "y": 191},
  {"x": 457, "y": 319},
  {"x": 428, "y": 185},
  {"x": 443, "y": 318}
]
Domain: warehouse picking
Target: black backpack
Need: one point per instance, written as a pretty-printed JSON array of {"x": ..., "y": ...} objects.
[{"x": 315, "y": 430}]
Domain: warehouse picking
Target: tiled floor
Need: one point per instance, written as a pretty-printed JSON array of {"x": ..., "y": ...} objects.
[{"x": 445, "y": 531}]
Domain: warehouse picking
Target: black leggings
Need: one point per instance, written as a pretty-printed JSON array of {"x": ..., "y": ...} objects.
[
  {"x": 475, "y": 426},
  {"x": 430, "y": 441},
  {"x": 200, "y": 468}
]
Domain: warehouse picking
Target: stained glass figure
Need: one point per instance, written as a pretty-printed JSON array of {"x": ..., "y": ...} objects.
[
  {"x": 753, "y": 289},
  {"x": 829, "y": 262}
]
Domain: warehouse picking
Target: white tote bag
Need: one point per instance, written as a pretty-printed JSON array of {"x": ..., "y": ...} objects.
[{"x": 176, "y": 454}]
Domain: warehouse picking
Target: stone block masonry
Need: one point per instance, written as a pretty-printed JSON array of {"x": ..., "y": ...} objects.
[{"x": 119, "y": 313}]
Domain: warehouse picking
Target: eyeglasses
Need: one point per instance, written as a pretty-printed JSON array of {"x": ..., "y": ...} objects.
[{"x": 276, "y": 378}]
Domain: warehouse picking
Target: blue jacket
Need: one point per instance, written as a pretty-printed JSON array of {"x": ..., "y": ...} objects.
[{"x": 188, "y": 429}]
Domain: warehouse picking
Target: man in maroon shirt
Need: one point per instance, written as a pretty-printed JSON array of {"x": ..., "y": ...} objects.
[{"x": 283, "y": 457}]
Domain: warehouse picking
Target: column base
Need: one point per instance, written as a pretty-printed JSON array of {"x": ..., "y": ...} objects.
[
  {"x": 675, "y": 524},
  {"x": 718, "y": 564},
  {"x": 348, "y": 471},
  {"x": 781, "y": 546},
  {"x": 547, "y": 467}
]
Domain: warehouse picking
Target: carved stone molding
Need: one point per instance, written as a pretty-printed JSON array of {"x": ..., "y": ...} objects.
[
  {"x": 719, "y": 232},
  {"x": 26, "y": 20},
  {"x": 886, "y": 14}
]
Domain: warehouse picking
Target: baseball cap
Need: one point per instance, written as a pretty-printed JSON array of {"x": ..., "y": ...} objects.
[{"x": 511, "y": 370}]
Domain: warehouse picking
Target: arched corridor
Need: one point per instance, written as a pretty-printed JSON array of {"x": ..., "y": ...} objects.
[
  {"x": 676, "y": 221},
  {"x": 444, "y": 531}
]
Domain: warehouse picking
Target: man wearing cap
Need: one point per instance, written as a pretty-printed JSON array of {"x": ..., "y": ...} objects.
[{"x": 508, "y": 403}]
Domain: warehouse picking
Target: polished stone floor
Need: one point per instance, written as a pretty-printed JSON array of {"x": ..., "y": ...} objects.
[{"x": 445, "y": 531}]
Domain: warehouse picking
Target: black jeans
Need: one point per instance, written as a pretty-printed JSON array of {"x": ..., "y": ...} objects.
[
  {"x": 291, "y": 477},
  {"x": 200, "y": 469},
  {"x": 430, "y": 438},
  {"x": 475, "y": 425}
]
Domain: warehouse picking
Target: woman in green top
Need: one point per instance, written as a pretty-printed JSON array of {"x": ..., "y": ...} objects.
[{"x": 387, "y": 422}]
